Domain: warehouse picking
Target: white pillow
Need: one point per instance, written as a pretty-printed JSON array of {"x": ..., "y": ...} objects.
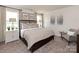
[
  {"x": 70, "y": 33},
  {"x": 29, "y": 25}
]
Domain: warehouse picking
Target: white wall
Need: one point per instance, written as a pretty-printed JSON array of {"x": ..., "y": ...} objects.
[
  {"x": 70, "y": 16},
  {"x": 0, "y": 27},
  {"x": 2, "y": 23}
]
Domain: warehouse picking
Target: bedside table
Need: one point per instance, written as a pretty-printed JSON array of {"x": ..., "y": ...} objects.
[{"x": 12, "y": 36}]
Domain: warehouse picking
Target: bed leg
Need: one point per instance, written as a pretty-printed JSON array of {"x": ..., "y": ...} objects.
[
  {"x": 53, "y": 37},
  {"x": 31, "y": 51}
]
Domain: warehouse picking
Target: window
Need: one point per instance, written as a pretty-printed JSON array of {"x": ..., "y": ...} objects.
[
  {"x": 40, "y": 20},
  {"x": 12, "y": 21}
]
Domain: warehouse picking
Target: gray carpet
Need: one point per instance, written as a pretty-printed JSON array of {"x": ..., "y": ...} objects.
[{"x": 55, "y": 46}]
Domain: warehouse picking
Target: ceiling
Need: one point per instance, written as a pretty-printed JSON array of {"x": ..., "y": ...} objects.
[{"x": 39, "y": 7}]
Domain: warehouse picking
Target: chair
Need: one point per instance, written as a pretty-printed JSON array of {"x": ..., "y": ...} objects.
[{"x": 70, "y": 36}]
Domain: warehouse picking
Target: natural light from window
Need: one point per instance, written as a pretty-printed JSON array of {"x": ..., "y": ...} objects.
[{"x": 11, "y": 20}]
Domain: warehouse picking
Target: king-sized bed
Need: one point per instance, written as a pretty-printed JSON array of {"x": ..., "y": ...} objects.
[{"x": 34, "y": 38}]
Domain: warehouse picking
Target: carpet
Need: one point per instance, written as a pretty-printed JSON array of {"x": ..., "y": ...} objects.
[{"x": 55, "y": 46}]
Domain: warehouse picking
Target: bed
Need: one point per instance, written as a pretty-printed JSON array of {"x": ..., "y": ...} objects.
[{"x": 34, "y": 38}]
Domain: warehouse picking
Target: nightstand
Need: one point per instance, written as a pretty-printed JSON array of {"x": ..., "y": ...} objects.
[{"x": 12, "y": 36}]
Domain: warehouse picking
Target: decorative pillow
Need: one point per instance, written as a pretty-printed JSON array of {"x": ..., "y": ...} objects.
[{"x": 70, "y": 33}]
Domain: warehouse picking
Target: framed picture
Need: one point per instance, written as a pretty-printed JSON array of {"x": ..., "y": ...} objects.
[
  {"x": 52, "y": 20},
  {"x": 60, "y": 20}
]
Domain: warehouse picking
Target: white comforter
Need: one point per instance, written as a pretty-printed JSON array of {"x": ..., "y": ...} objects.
[{"x": 36, "y": 34}]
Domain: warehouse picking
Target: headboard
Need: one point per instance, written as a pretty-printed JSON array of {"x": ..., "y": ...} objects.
[{"x": 26, "y": 24}]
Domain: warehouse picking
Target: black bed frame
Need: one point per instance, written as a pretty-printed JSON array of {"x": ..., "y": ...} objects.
[{"x": 37, "y": 44}]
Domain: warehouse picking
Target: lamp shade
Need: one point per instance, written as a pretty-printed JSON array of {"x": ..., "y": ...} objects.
[{"x": 12, "y": 19}]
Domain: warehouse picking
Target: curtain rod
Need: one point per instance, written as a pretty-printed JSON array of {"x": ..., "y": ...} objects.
[{"x": 11, "y": 7}]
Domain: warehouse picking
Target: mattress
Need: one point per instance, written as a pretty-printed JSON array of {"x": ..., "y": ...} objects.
[{"x": 35, "y": 34}]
